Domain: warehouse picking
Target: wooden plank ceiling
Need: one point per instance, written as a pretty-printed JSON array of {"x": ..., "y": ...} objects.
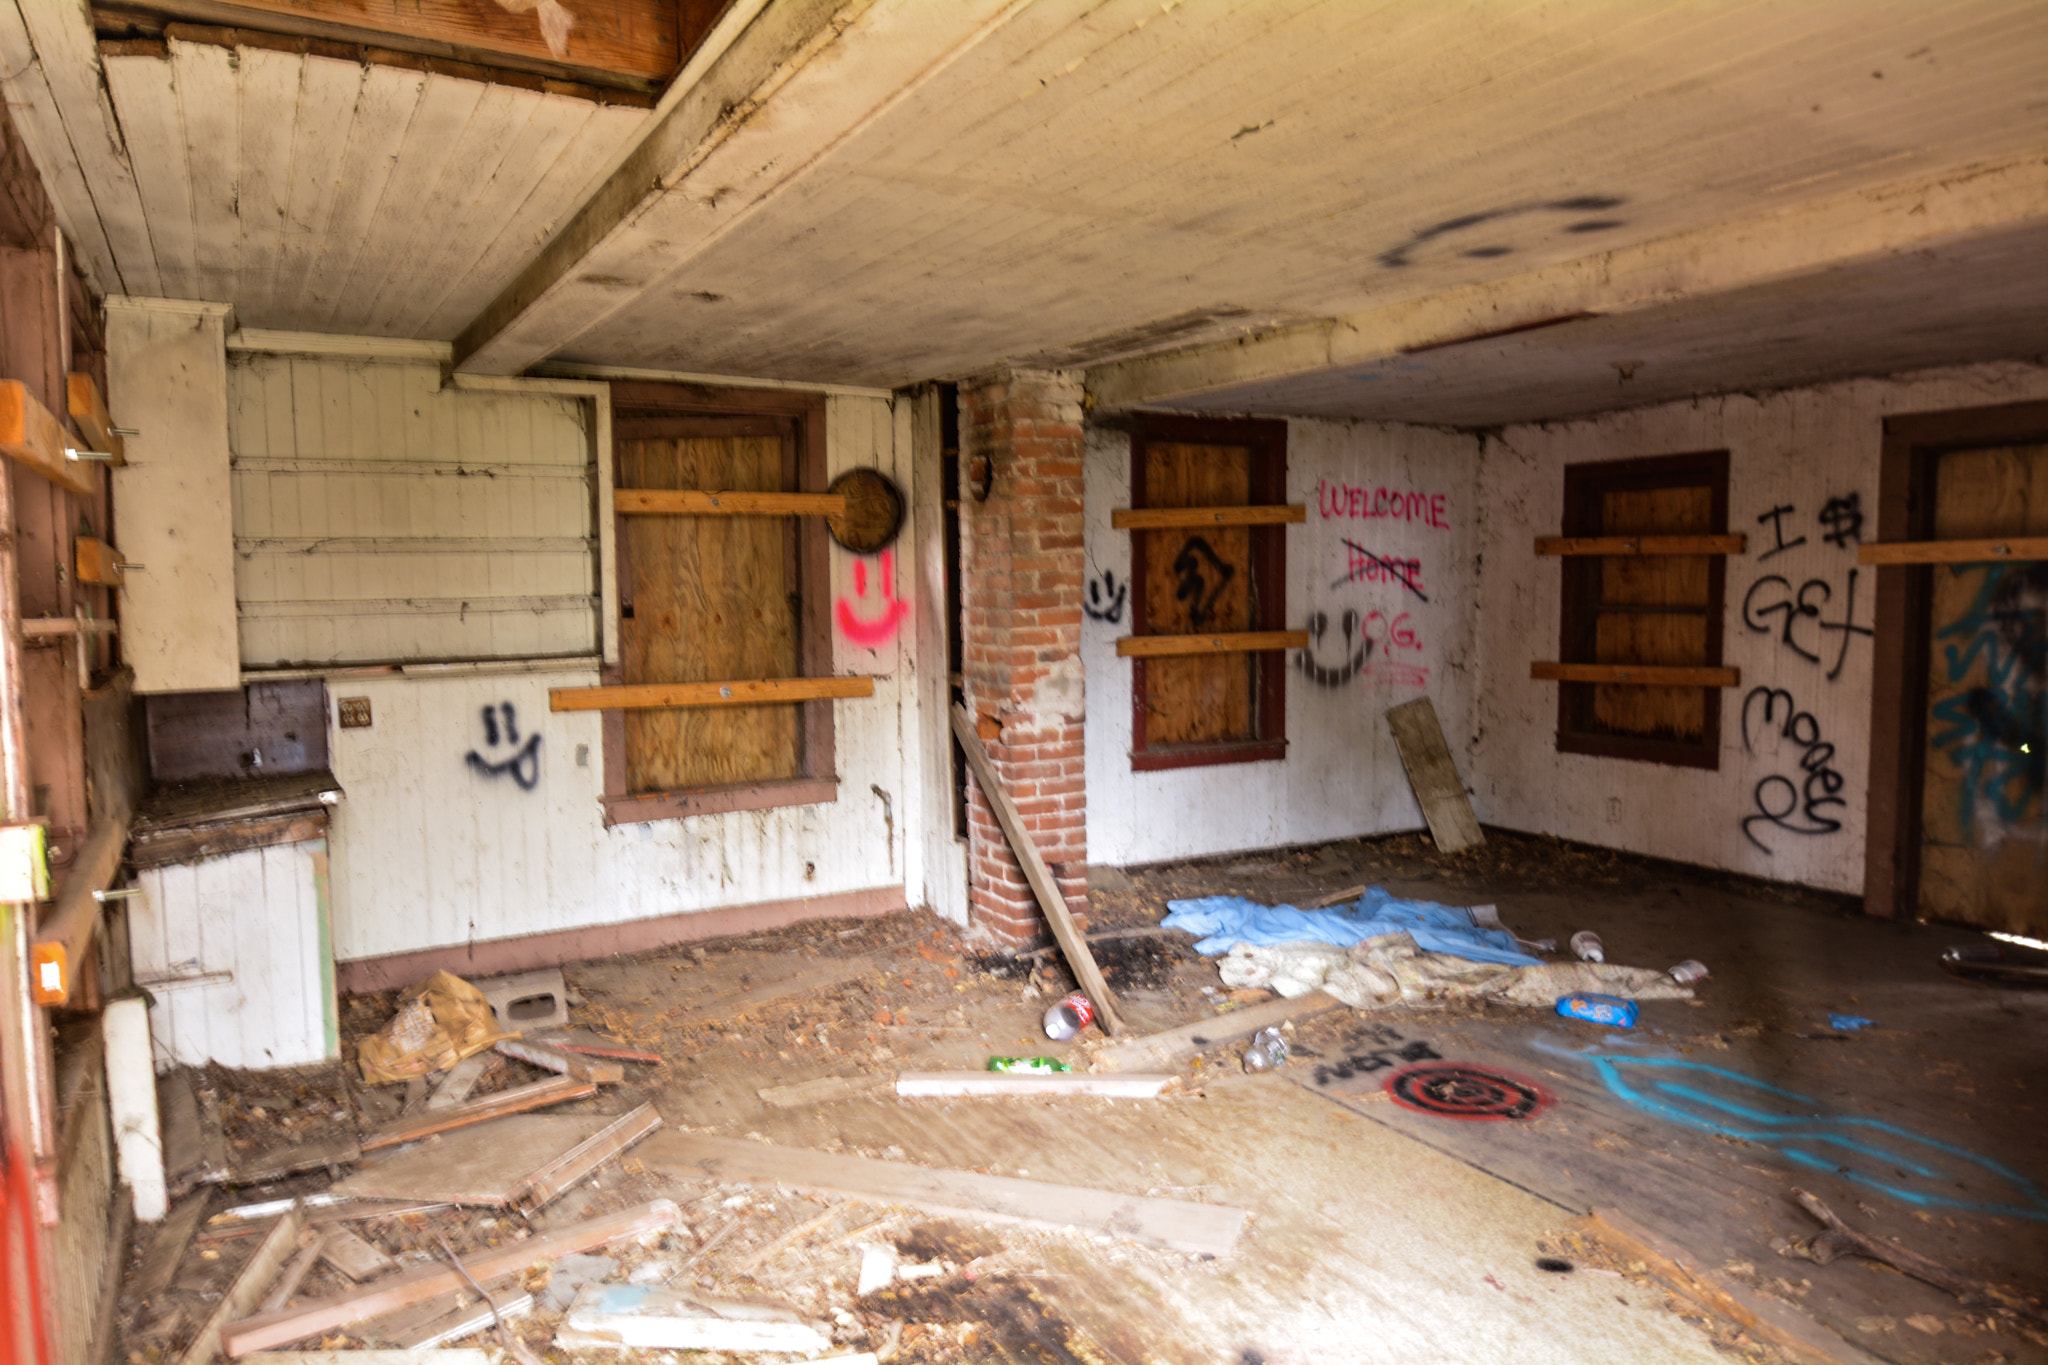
[{"x": 881, "y": 191}]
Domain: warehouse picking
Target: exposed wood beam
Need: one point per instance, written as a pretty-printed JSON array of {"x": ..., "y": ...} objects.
[
  {"x": 1864, "y": 226},
  {"x": 1641, "y": 675},
  {"x": 711, "y": 161},
  {"x": 638, "y": 44},
  {"x": 748, "y": 692},
  {"x": 1612, "y": 546},
  {"x": 1242, "y": 642},
  {"x": 1953, "y": 551},
  {"x": 1168, "y": 518},
  {"x": 690, "y": 502}
]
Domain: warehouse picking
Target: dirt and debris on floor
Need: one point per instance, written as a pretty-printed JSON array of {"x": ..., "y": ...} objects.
[{"x": 792, "y": 1039}]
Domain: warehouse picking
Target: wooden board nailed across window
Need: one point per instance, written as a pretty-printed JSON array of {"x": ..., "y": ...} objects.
[
  {"x": 1208, "y": 580},
  {"x": 1644, "y": 609}
]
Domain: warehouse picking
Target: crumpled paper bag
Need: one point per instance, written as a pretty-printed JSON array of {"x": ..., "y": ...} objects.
[{"x": 443, "y": 1020}]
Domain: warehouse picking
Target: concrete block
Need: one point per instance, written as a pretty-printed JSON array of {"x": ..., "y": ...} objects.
[{"x": 528, "y": 1000}]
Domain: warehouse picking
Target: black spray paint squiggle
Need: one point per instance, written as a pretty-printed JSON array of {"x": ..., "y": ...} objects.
[
  {"x": 1778, "y": 798},
  {"x": 524, "y": 764}
]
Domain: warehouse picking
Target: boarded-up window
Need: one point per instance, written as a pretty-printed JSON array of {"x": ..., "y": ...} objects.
[
  {"x": 1208, "y": 708},
  {"x": 718, "y": 599},
  {"x": 1644, "y": 609}
]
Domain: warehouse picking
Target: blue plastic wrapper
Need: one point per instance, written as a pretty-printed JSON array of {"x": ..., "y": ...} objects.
[
  {"x": 1849, "y": 1023},
  {"x": 1611, "y": 1010}
]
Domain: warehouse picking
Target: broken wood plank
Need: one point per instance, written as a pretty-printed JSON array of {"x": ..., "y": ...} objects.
[
  {"x": 1130, "y": 1086},
  {"x": 1050, "y": 901},
  {"x": 563, "y": 1063},
  {"x": 450, "y": 1317},
  {"x": 354, "y": 1257},
  {"x": 339, "y": 1149},
  {"x": 821, "y": 1090},
  {"x": 807, "y": 981},
  {"x": 630, "y": 1317},
  {"x": 409, "y": 1357},
  {"x": 1774, "y": 1322},
  {"x": 1200, "y": 1228},
  {"x": 247, "y": 1290},
  {"x": 167, "y": 1246},
  {"x": 524, "y": 1159},
  {"x": 399, "y": 1291},
  {"x": 31, "y": 436},
  {"x": 1239, "y": 642},
  {"x": 738, "y": 692},
  {"x": 184, "y": 1149},
  {"x": 1158, "y": 1051},
  {"x": 213, "y": 1138},
  {"x": 1433, "y": 776},
  {"x": 288, "y": 1279},
  {"x": 555, "y": 1090},
  {"x": 1842, "y": 1240},
  {"x": 1349, "y": 893},
  {"x": 595, "y": 1045},
  {"x": 459, "y": 1080},
  {"x": 564, "y": 1171}
]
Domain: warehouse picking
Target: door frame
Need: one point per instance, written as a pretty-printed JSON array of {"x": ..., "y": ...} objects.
[{"x": 1913, "y": 443}]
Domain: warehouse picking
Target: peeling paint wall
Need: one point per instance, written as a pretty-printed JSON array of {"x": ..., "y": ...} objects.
[
  {"x": 1803, "y": 465},
  {"x": 1382, "y": 574}
]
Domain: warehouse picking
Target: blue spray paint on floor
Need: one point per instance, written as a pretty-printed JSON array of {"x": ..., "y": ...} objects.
[{"x": 1908, "y": 1166}]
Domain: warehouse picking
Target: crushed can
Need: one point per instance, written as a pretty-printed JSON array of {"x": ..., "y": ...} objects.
[{"x": 1610, "y": 1010}]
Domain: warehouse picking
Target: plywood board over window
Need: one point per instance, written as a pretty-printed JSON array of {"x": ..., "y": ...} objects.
[
  {"x": 718, "y": 599},
  {"x": 1214, "y": 580},
  {"x": 1662, "y": 609}
]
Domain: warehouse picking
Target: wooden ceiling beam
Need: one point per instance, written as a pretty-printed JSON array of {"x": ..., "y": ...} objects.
[{"x": 634, "y": 44}]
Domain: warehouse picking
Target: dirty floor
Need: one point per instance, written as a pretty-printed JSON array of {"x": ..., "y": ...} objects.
[{"x": 1379, "y": 1232}]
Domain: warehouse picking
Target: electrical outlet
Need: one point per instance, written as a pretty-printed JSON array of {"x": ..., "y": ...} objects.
[
  {"x": 355, "y": 713},
  {"x": 1613, "y": 810}
]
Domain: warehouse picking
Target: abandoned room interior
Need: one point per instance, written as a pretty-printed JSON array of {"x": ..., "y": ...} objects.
[{"x": 1111, "y": 681}]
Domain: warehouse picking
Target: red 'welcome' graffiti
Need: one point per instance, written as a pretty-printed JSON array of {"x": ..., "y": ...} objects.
[{"x": 1339, "y": 500}]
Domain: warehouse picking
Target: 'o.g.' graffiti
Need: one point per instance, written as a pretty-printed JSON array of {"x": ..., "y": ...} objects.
[{"x": 1339, "y": 500}]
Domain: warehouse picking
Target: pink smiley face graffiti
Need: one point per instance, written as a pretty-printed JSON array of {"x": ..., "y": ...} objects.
[{"x": 872, "y": 632}]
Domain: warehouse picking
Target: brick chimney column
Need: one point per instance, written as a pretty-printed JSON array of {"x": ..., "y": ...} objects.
[{"x": 1022, "y": 570}]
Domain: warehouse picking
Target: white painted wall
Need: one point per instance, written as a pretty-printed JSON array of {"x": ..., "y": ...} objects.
[
  {"x": 234, "y": 950},
  {"x": 1797, "y": 448},
  {"x": 1342, "y": 776},
  {"x": 428, "y": 851},
  {"x": 167, "y": 379},
  {"x": 381, "y": 515}
]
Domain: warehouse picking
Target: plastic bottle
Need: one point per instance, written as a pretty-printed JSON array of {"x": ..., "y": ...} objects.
[
  {"x": 1268, "y": 1049},
  {"x": 1587, "y": 945},
  {"x": 1689, "y": 971},
  {"x": 1069, "y": 1017},
  {"x": 1028, "y": 1066}
]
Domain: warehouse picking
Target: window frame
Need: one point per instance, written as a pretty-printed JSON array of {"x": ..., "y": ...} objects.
[
  {"x": 1584, "y": 486},
  {"x": 641, "y": 409},
  {"x": 1266, "y": 440}
]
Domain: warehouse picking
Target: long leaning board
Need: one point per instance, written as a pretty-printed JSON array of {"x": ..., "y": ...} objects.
[{"x": 1205, "y": 1229}]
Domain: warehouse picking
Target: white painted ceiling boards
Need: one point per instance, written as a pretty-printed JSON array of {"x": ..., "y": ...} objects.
[{"x": 1448, "y": 212}]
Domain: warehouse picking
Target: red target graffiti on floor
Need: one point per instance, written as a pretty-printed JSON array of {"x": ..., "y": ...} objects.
[{"x": 1459, "y": 1090}]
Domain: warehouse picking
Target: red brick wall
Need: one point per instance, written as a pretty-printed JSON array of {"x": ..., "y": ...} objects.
[{"x": 1022, "y": 570}]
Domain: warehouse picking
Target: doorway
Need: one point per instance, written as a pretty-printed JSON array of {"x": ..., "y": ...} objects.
[{"x": 1959, "y": 817}]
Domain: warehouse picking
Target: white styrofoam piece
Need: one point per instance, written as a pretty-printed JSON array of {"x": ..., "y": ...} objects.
[{"x": 131, "y": 1102}]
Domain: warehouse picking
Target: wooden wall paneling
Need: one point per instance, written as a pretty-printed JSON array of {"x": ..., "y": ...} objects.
[
  {"x": 194, "y": 735},
  {"x": 116, "y": 756},
  {"x": 56, "y": 741}
]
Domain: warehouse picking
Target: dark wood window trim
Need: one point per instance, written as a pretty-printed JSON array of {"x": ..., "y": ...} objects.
[
  {"x": 1913, "y": 443},
  {"x": 648, "y": 409},
  {"x": 1584, "y": 484},
  {"x": 1268, "y": 443}
]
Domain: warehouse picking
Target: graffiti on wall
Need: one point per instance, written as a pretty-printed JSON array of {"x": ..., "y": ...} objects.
[
  {"x": 1996, "y": 733},
  {"x": 504, "y": 755},
  {"x": 1800, "y": 615},
  {"x": 1357, "y": 649},
  {"x": 1105, "y": 600},
  {"x": 1339, "y": 501},
  {"x": 1496, "y": 232},
  {"x": 1201, "y": 576},
  {"x": 1803, "y": 802},
  {"x": 866, "y": 626},
  {"x": 1363, "y": 566}
]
